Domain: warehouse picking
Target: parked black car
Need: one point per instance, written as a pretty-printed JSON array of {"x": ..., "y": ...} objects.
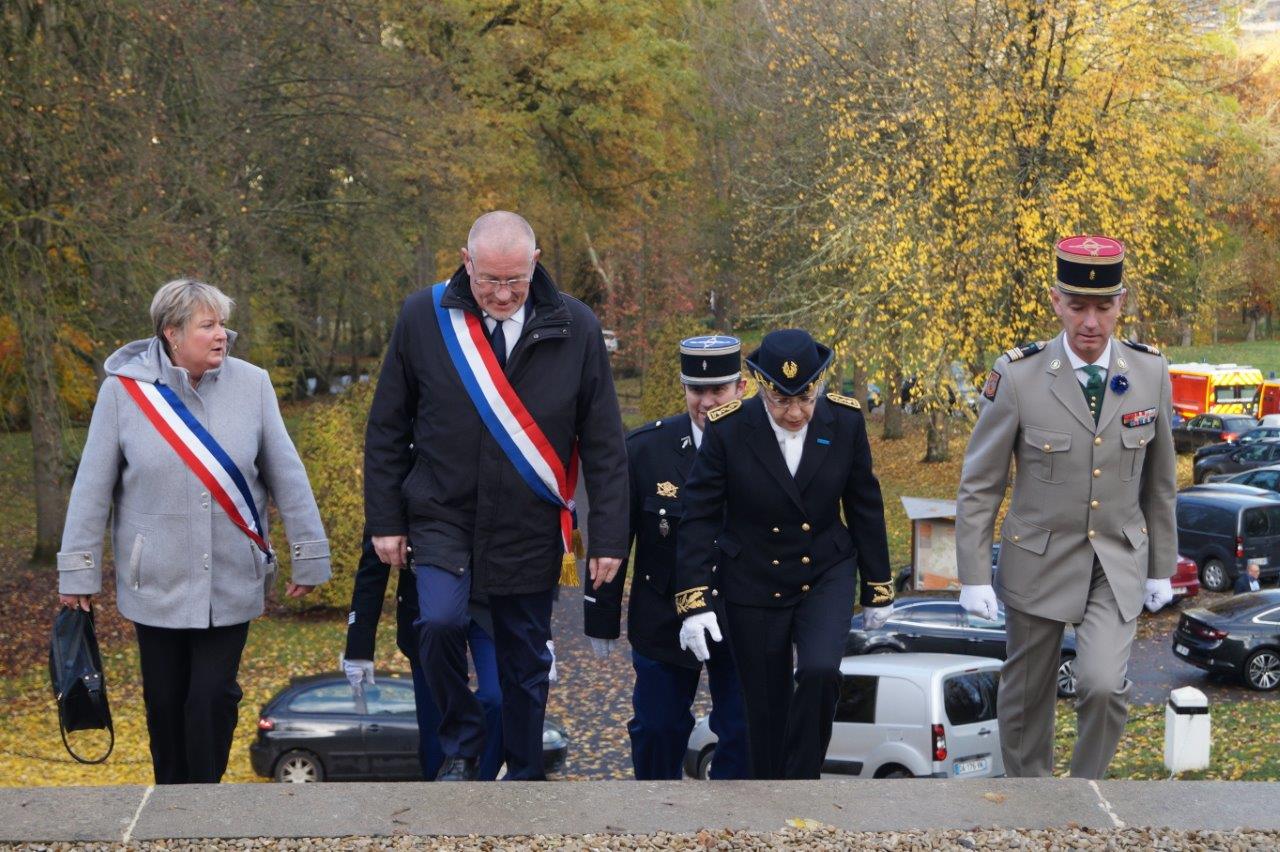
[
  {"x": 315, "y": 730},
  {"x": 1210, "y": 429},
  {"x": 942, "y": 626},
  {"x": 1223, "y": 527},
  {"x": 1266, "y": 478},
  {"x": 1258, "y": 434},
  {"x": 1239, "y": 635},
  {"x": 1255, "y": 455}
]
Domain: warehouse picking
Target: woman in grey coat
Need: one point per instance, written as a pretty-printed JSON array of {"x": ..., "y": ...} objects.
[{"x": 187, "y": 577}]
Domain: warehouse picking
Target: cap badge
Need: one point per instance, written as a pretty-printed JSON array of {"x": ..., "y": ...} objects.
[
  {"x": 667, "y": 489},
  {"x": 704, "y": 363},
  {"x": 1093, "y": 273},
  {"x": 1092, "y": 246},
  {"x": 789, "y": 369}
]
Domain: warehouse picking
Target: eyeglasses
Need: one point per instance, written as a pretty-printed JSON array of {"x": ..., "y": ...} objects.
[
  {"x": 782, "y": 403},
  {"x": 484, "y": 282}
]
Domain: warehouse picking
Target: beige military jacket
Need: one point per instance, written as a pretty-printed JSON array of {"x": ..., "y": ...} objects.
[{"x": 1079, "y": 490}]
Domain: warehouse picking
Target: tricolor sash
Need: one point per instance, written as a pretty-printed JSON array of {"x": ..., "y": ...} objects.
[
  {"x": 201, "y": 453},
  {"x": 504, "y": 414}
]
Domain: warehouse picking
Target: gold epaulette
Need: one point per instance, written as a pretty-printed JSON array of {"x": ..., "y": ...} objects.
[
  {"x": 724, "y": 410},
  {"x": 691, "y": 599},
  {"x": 1141, "y": 347},
  {"x": 882, "y": 593},
  {"x": 841, "y": 399},
  {"x": 1019, "y": 352}
]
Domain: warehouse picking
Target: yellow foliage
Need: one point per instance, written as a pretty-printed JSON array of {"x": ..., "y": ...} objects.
[{"x": 662, "y": 392}]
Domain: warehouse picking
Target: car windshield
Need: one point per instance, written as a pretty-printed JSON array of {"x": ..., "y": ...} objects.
[{"x": 971, "y": 697}]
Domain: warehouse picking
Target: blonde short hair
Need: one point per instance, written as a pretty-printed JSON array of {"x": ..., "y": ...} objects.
[{"x": 176, "y": 302}]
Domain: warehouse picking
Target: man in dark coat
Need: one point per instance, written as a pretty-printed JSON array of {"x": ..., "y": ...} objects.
[
  {"x": 659, "y": 456},
  {"x": 762, "y": 514},
  {"x": 471, "y": 513}
]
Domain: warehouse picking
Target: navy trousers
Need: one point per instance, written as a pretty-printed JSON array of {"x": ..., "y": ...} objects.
[
  {"x": 660, "y": 728},
  {"x": 487, "y": 692},
  {"x": 522, "y": 628}
]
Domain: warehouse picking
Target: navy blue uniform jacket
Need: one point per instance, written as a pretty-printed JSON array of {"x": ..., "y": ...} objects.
[{"x": 776, "y": 534}]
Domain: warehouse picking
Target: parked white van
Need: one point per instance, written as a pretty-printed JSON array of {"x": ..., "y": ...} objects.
[{"x": 902, "y": 716}]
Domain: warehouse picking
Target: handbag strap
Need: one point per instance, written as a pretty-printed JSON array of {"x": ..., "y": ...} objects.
[{"x": 111, "y": 730}]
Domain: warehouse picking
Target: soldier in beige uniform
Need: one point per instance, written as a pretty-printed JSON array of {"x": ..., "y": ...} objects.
[{"x": 1089, "y": 536}]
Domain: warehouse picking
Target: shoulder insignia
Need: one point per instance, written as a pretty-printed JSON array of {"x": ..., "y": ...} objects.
[
  {"x": 648, "y": 427},
  {"x": 1141, "y": 347},
  {"x": 724, "y": 410},
  {"x": 1019, "y": 352},
  {"x": 841, "y": 399}
]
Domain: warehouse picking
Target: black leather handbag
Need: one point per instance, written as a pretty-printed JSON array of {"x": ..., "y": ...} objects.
[{"x": 75, "y": 668}]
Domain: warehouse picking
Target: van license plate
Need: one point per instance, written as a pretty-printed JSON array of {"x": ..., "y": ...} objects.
[
  {"x": 971, "y": 767},
  {"x": 1182, "y": 649}
]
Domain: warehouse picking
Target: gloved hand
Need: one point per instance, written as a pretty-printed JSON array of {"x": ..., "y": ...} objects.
[
  {"x": 552, "y": 674},
  {"x": 358, "y": 672},
  {"x": 692, "y": 636},
  {"x": 980, "y": 601},
  {"x": 875, "y": 616},
  {"x": 602, "y": 647},
  {"x": 1159, "y": 594}
]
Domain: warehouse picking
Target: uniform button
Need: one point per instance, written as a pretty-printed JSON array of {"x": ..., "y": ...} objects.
[
  {"x": 805, "y": 527},
  {"x": 1048, "y": 447},
  {"x": 715, "y": 593},
  {"x": 1017, "y": 538},
  {"x": 646, "y": 576},
  {"x": 805, "y": 587},
  {"x": 775, "y": 562},
  {"x": 662, "y": 511},
  {"x": 1092, "y": 533},
  {"x": 1144, "y": 530},
  {"x": 204, "y": 495},
  {"x": 713, "y": 568},
  {"x": 804, "y": 560},
  {"x": 535, "y": 335},
  {"x": 777, "y": 594},
  {"x": 776, "y": 530},
  {"x": 1093, "y": 504},
  {"x": 1097, "y": 472},
  {"x": 1097, "y": 441},
  {"x": 1142, "y": 442}
]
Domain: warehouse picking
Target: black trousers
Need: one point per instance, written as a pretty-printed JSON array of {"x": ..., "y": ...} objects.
[
  {"x": 190, "y": 691},
  {"x": 790, "y": 711}
]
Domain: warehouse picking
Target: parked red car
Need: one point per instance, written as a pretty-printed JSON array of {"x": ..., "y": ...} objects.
[{"x": 1186, "y": 579}]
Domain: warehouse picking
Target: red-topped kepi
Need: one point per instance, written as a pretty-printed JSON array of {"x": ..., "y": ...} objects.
[{"x": 1090, "y": 265}]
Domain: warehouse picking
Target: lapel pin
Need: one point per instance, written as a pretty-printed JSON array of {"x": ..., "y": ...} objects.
[{"x": 1055, "y": 364}]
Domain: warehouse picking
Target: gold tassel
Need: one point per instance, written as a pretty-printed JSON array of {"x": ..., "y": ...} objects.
[{"x": 569, "y": 570}]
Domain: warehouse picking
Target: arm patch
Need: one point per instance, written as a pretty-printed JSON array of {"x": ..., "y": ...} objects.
[{"x": 993, "y": 383}]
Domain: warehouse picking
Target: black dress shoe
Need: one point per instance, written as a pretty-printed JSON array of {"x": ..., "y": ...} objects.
[{"x": 459, "y": 769}]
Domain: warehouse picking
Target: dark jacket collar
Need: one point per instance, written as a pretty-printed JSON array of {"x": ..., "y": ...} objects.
[{"x": 548, "y": 305}]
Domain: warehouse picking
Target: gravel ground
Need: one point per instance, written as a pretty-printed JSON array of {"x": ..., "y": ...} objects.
[{"x": 812, "y": 838}]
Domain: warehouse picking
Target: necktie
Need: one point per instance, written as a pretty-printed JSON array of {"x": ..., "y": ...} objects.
[
  {"x": 499, "y": 342},
  {"x": 1094, "y": 389}
]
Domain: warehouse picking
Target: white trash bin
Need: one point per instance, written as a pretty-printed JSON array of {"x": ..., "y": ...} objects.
[{"x": 1186, "y": 730}]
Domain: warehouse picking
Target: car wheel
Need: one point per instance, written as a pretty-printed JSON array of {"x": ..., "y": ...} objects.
[
  {"x": 893, "y": 770},
  {"x": 704, "y": 762},
  {"x": 1067, "y": 677},
  {"x": 1262, "y": 670},
  {"x": 1213, "y": 575},
  {"x": 298, "y": 767}
]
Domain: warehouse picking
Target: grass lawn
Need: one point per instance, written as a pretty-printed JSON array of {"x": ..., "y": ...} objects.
[{"x": 1263, "y": 354}]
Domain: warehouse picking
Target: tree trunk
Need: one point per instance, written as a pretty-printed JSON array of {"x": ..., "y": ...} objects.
[
  {"x": 38, "y": 335},
  {"x": 858, "y": 376},
  {"x": 1186, "y": 334},
  {"x": 938, "y": 437},
  {"x": 894, "y": 428}
]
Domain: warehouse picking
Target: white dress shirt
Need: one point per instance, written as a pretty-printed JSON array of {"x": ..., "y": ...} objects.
[
  {"x": 1078, "y": 364},
  {"x": 791, "y": 443},
  {"x": 512, "y": 327},
  {"x": 697, "y": 435}
]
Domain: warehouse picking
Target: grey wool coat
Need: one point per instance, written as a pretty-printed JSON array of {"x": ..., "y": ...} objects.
[{"x": 180, "y": 562}]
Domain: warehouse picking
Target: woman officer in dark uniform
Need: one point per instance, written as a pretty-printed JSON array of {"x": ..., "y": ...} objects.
[{"x": 768, "y": 486}]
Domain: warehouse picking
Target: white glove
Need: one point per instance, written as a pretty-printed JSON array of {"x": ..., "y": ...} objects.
[
  {"x": 691, "y": 634},
  {"x": 602, "y": 647},
  {"x": 875, "y": 616},
  {"x": 358, "y": 672},
  {"x": 552, "y": 674},
  {"x": 1159, "y": 594},
  {"x": 980, "y": 601}
]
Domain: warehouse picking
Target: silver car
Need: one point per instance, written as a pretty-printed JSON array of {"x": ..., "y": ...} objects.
[{"x": 902, "y": 716}]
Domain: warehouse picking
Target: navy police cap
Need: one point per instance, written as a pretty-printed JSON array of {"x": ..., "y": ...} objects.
[
  {"x": 711, "y": 359},
  {"x": 789, "y": 361}
]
